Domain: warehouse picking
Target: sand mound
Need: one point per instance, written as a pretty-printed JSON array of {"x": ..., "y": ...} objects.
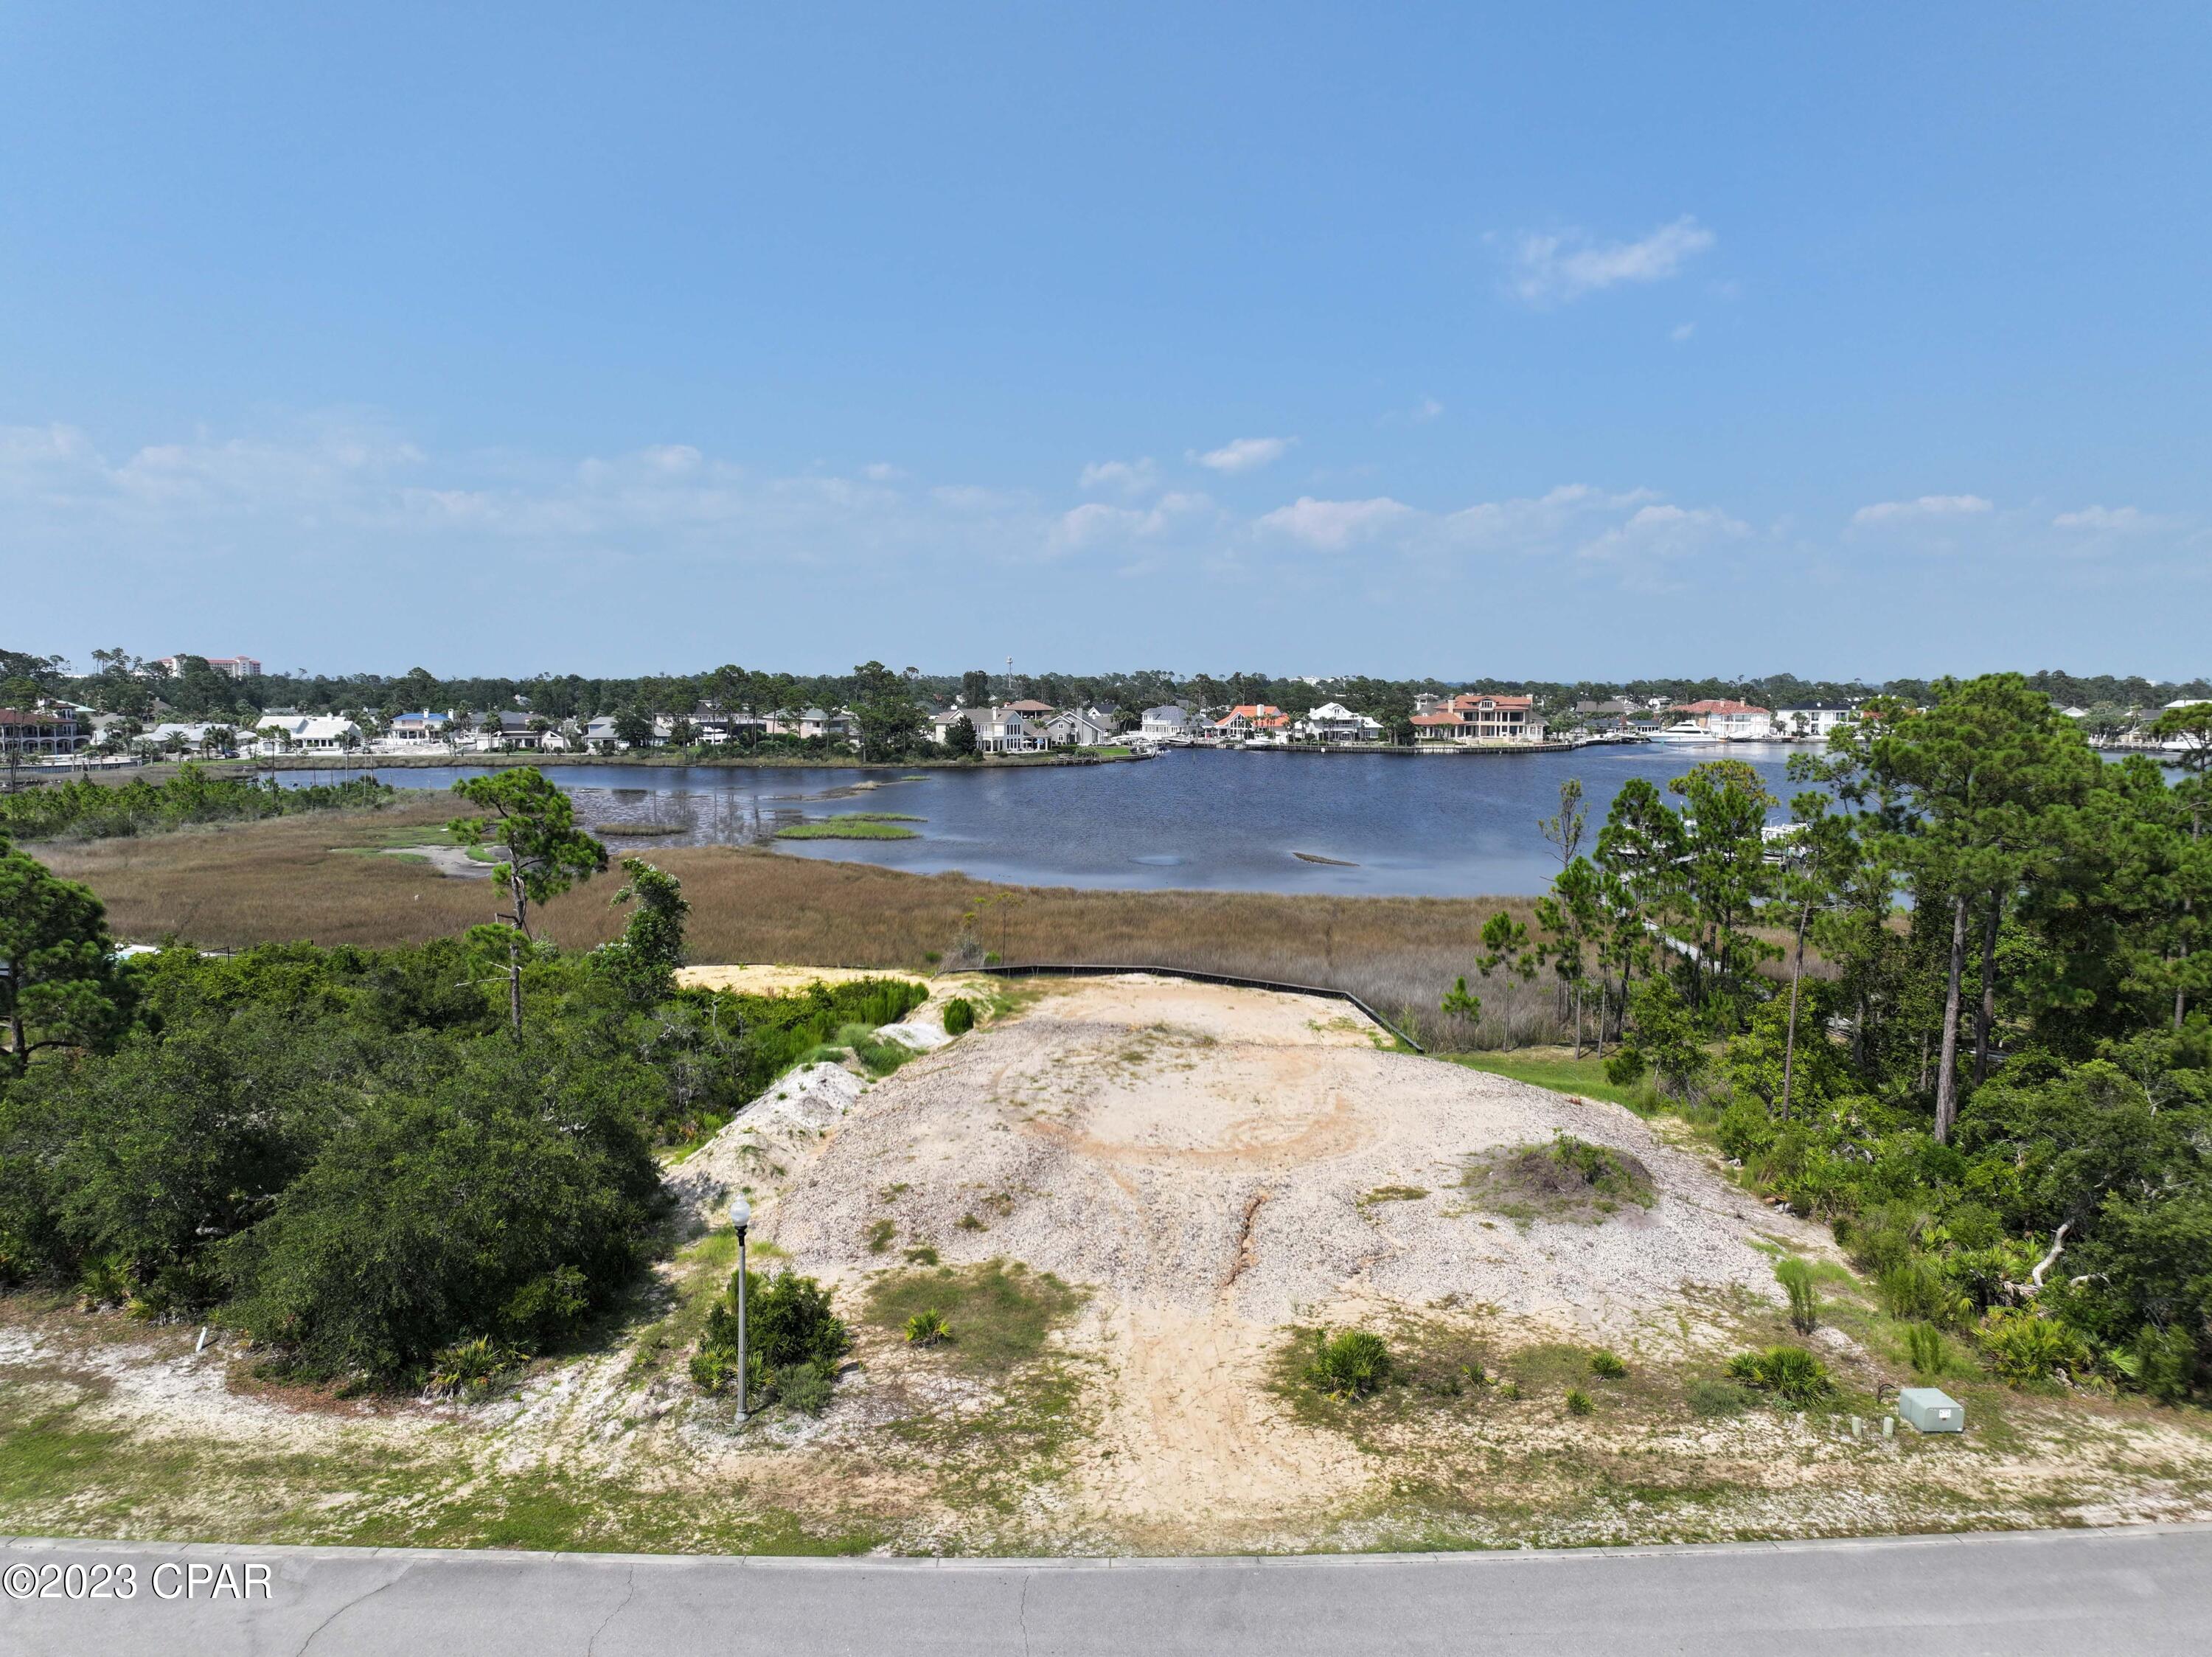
[{"x": 1190, "y": 1148}]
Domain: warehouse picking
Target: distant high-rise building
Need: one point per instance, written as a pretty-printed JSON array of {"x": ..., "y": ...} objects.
[{"x": 236, "y": 666}]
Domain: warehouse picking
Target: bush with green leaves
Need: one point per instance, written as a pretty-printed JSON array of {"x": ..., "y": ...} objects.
[
  {"x": 470, "y": 1368},
  {"x": 1606, "y": 1366},
  {"x": 1710, "y": 1397},
  {"x": 2165, "y": 1362},
  {"x": 1578, "y": 1402},
  {"x": 959, "y": 1016},
  {"x": 792, "y": 1330},
  {"x": 1797, "y": 1278},
  {"x": 2021, "y": 1345},
  {"x": 1924, "y": 1349},
  {"x": 1353, "y": 1364},
  {"x": 927, "y": 1327},
  {"x": 1789, "y": 1374}
]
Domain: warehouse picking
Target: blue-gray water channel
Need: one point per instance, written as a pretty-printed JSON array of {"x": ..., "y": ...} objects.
[{"x": 1445, "y": 827}]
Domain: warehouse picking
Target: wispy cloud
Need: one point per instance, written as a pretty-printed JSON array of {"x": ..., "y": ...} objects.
[
  {"x": 1556, "y": 267},
  {"x": 1243, "y": 454},
  {"x": 1128, "y": 477},
  {"x": 2108, "y": 521},
  {"x": 1682, "y": 331},
  {"x": 1333, "y": 526},
  {"x": 1926, "y": 507}
]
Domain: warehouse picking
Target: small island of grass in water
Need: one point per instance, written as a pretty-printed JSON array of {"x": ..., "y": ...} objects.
[{"x": 854, "y": 826}]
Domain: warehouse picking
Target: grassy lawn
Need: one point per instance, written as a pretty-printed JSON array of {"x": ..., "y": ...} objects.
[{"x": 1557, "y": 1069}]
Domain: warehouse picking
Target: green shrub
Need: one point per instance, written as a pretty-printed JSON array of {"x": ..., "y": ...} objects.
[
  {"x": 1916, "y": 1288},
  {"x": 712, "y": 1370},
  {"x": 880, "y": 1233},
  {"x": 1605, "y": 1366},
  {"x": 1744, "y": 1129},
  {"x": 1578, "y": 1403},
  {"x": 2167, "y": 1360},
  {"x": 789, "y": 1321},
  {"x": 805, "y": 1387},
  {"x": 1790, "y": 1373},
  {"x": 1804, "y": 1304},
  {"x": 470, "y": 1368},
  {"x": 959, "y": 1016},
  {"x": 1924, "y": 1349},
  {"x": 2025, "y": 1346},
  {"x": 1625, "y": 1067},
  {"x": 927, "y": 1327},
  {"x": 1354, "y": 1364},
  {"x": 106, "y": 1283}
]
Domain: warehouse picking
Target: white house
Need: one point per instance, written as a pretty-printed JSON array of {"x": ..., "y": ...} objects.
[
  {"x": 1814, "y": 721},
  {"x": 422, "y": 726},
  {"x": 1166, "y": 724},
  {"x": 599, "y": 733},
  {"x": 309, "y": 732},
  {"x": 1084, "y": 728},
  {"x": 1335, "y": 722},
  {"x": 1737, "y": 722},
  {"x": 997, "y": 730}
]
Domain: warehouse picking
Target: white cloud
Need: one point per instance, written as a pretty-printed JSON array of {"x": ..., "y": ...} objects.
[
  {"x": 2107, "y": 520},
  {"x": 1128, "y": 477},
  {"x": 1244, "y": 454},
  {"x": 1095, "y": 523},
  {"x": 1554, "y": 268},
  {"x": 1424, "y": 410},
  {"x": 1927, "y": 506},
  {"x": 1666, "y": 531},
  {"x": 882, "y": 472},
  {"x": 1682, "y": 331},
  {"x": 1332, "y": 526}
]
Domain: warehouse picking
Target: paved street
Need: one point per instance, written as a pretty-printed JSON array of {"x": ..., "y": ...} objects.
[{"x": 2134, "y": 1591}]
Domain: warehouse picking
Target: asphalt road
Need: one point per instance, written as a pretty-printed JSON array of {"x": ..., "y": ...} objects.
[{"x": 2108, "y": 1592}]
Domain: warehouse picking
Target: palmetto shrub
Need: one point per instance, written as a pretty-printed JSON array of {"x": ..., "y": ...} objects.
[
  {"x": 928, "y": 1328},
  {"x": 1788, "y": 1373},
  {"x": 1354, "y": 1364},
  {"x": 1606, "y": 1366},
  {"x": 2022, "y": 1346},
  {"x": 470, "y": 1368}
]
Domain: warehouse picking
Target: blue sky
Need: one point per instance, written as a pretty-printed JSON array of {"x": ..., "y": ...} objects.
[{"x": 1558, "y": 341}]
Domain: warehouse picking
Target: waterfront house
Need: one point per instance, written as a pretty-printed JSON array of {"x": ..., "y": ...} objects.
[
  {"x": 1734, "y": 722},
  {"x": 419, "y": 727},
  {"x": 1335, "y": 722},
  {"x": 1814, "y": 721},
  {"x": 1079, "y": 728},
  {"x": 25, "y": 732},
  {"x": 599, "y": 734},
  {"x": 1252, "y": 720},
  {"x": 1165, "y": 724},
  {"x": 307, "y": 733},
  {"x": 1003, "y": 729},
  {"x": 1477, "y": 717}
]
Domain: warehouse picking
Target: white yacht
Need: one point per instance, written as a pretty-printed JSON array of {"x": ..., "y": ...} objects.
[{"x": 1686, "y": 733}]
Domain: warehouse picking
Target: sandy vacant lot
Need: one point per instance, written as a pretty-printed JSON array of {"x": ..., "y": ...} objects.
[{"x": 1213, "y": 1175}]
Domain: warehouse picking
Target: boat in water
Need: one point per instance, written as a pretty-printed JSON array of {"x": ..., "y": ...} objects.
[{"x": 1685, "y": 735}]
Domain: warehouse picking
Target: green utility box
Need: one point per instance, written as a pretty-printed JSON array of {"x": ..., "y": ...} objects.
[{"x": 1931, "y": 1411}]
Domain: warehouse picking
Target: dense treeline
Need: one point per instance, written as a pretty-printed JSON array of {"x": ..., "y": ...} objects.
[
  {"x": 363, "y": 1159},
  {"x": 80, "y": 808},
  {"x": 200, "y": 692},
  {"x": 1998, "y": 1082}
]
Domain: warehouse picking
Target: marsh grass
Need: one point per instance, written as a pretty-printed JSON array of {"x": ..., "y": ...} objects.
[{"x": 283, "y": 879}]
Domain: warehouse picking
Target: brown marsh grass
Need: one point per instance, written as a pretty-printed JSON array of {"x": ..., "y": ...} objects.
[{"x": 295, "y": 877}]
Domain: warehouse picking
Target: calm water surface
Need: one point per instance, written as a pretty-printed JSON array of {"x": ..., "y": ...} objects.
[{"x": 1391, "y": 824}]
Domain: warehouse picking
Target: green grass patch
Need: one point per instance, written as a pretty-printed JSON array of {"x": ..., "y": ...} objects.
[
  {"x": 846, "y": 828},
  {"x": 1000, "y": 1313},
  {"x": 1561, "y": 1072}
]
